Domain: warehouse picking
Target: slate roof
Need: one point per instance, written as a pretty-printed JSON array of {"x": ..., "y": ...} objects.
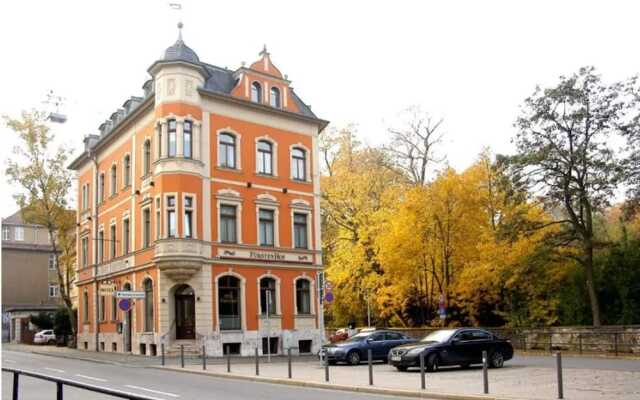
[{"x": 15, "y": 219}]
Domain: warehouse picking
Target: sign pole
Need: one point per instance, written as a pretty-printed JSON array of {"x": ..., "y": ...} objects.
[{"x": 268, "y": 327}]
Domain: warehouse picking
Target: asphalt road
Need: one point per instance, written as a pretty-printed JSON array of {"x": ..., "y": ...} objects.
[{"x": 159, "y": 384}]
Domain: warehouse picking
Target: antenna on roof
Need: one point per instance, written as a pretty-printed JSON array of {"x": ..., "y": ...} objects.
[{"x": 55, "y": 101}]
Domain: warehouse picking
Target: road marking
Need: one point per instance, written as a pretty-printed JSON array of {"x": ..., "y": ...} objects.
[
  {"x": 92, "y": 378},
  {"x": 54, "y": 369},
  {"x": 153, "y": 391},
  {"x": 9, "y": 361}
]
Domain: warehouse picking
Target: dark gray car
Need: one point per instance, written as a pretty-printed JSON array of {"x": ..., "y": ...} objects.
[{"x": 355, "y": 349}]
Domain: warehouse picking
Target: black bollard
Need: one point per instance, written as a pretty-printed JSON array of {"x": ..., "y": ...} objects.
[
  {"x": 16, "y": 385},
  {"x": 289, "y": 356},
  {"x": 559, "y": 368},
  {"x": 204, "y": 358},
  {"x": 485, "y": 375},
  {"x": 257, "y": 363},
  {"x": 423, "y": 383},
  {"x": 182, "y": 355},
  {"x": 162, "y": 353},
  {"x": 59, "y": 394},
  {"x": 370, "y": 360},
  {"x": 228, "y": 362},
  {"x": 326, "y": 367}
]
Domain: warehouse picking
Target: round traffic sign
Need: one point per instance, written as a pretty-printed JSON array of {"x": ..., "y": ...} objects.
[
  {"x": 125, "y": 304},
  {"x": 328, "y": 297}
]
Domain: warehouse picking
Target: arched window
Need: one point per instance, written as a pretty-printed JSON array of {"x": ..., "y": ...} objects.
[
  {"x": 148, "y": 305},
  {"x": 229, "y": 303},
  {"x": 227, "y": 150},
  {"x": 298, "y": 164},
  {"x": 146, "y": 158},
  {"x": 256, "y": 92},
  {"x": 303, "y": 296},
  {"x": 268, "y": 296},
  {"x": 172, "y": 143},
  {"x": 187, "y": 137},
  {"x": 114, "y": 175},
  {"x": 127, "y": 170},
  {"x": 274, "y": 99},
  {"x": 265, "y": 157}
]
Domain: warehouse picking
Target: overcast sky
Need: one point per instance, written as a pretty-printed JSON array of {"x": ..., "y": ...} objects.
[{"x": 471, "y": 63}]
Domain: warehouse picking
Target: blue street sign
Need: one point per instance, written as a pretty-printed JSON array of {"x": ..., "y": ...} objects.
[
  {"x": 328, "y": 297},
  {"x": 125, "y": 304}
]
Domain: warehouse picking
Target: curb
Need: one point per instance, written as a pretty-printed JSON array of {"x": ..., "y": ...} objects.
[{"x": 330, "y": 386}]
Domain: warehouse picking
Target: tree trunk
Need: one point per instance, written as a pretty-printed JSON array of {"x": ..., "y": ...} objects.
[{"x": 591, "y": 289}]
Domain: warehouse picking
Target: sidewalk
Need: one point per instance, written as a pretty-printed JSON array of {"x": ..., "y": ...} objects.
[
  {"x": 65, "y": 352},
  {"x": 515, "y": 382}
]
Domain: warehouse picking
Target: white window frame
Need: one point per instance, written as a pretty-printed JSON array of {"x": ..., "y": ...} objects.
[
  {"x": 277, "y": 300},
  {"x": 145, "y": 243},
  {"x": 299, "y": 207},
  {"x": 260, "y": 98},
  {"x": 100, "y": 251},
  {"x": 158, "y": 223},
  {"x": 55, "y": 288},
  {"x": 274, "y": 155},
  {"x": 194, "y": 219},
  {"x": 113, "y": 183},
  {"x": 279, "y": 105},
  {"x": 307, "y": 162},
  {"x": 230, "y": 131},
  {"x": 126, "y": 178},
  {"x": 166, "y": 216},
  {"x": 312, "y": 294},
  {"x": 101, "y": 184},
  {"x": 123, "y": 248},
  {"x": 18, "y": 233},
  {"x": 52, "y": 262},
  {"x": 228, "y": 197},
  {"x": 84, "y": 256},
  {"x": 264, "y": 205},
  {"x": 6, "y": 233}
]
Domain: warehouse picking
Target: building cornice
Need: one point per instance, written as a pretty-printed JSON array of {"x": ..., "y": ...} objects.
[{"x": 320, "y": 123}]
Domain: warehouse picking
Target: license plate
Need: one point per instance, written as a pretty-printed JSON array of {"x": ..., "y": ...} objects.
[{"x": 396, "y": 358}]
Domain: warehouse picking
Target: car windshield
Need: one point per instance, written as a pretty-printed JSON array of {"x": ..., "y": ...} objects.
[
  {"x": 358, "y": 337},
  {"x": 438, "y": 336}
]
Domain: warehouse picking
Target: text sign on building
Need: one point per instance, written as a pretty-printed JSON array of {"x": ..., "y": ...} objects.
[
  {"x": 127, "y": 294},
  {"x": 106, "y": 289},
  {"x": 260, "y": 255}
]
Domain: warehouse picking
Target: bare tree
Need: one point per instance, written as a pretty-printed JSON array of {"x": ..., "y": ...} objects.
[{"x": 413, "y": 146}]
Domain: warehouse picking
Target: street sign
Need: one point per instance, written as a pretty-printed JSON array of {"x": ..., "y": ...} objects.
[
  {"x": 129, "y": 294},
  {"x": 328, "y": 297},
  {"x": 125, "y": 304}
]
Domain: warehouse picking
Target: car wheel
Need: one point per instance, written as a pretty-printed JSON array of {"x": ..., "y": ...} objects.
[
  {"x": 433, "y": 363},
  {"x": 497, "y": 360},
  {"x": 353, "y": 358},
  {"x": 401, "y": 369}
]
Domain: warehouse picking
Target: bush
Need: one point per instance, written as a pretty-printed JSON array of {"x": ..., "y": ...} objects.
[
  {"x": 62, "y": 323},
  {"x": 43, "y": 320}
]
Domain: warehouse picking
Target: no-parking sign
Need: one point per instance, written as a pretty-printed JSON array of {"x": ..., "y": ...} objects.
[{"x": 125, "y": 304}]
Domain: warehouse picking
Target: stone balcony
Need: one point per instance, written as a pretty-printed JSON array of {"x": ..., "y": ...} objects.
[{"x": 180, "y": 259}]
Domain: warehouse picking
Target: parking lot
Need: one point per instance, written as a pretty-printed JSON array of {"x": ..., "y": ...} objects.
[{"x": 523, "y": 377}]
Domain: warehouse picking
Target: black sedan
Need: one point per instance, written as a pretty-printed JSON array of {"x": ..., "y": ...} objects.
[
  {"x": 355, "y": 349},
  {"x": 461, "y": 347}
]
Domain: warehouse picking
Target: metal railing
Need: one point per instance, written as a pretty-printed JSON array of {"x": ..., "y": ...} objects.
[{"x": 61, "y": 382}]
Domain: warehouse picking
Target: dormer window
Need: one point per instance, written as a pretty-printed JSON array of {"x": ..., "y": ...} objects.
[
  {"x": 274, "y": 99},
  {"x": 256, "y": 92}
]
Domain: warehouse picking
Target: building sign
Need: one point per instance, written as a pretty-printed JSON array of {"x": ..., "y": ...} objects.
[
  {"x": 106, "y": 289},
  {"x": 269, "y": 256},
  {"x": 128, "y": 294}
]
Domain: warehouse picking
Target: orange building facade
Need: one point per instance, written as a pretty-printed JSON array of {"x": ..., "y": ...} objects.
[{"x": 203, "y": 197}]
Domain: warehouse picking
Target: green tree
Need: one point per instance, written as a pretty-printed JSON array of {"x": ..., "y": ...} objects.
[
  {"x": 44, "y": 184},
  {"x": 564, "y": 149}
]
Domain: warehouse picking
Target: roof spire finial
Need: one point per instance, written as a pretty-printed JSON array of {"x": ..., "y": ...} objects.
[
  {"x": 180, "y": 25},
  {"x": 264, "y": 52}
]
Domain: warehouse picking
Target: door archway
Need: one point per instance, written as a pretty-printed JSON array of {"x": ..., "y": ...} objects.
[{"x": 185, "y": 312}]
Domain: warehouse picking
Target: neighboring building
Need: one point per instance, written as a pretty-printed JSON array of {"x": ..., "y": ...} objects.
[
  {"x": 29, "y": 278},
  {"x": 204, "y": 195}
]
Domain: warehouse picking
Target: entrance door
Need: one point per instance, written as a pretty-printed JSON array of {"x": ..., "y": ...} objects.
[{"x": 185, "y": 313}]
